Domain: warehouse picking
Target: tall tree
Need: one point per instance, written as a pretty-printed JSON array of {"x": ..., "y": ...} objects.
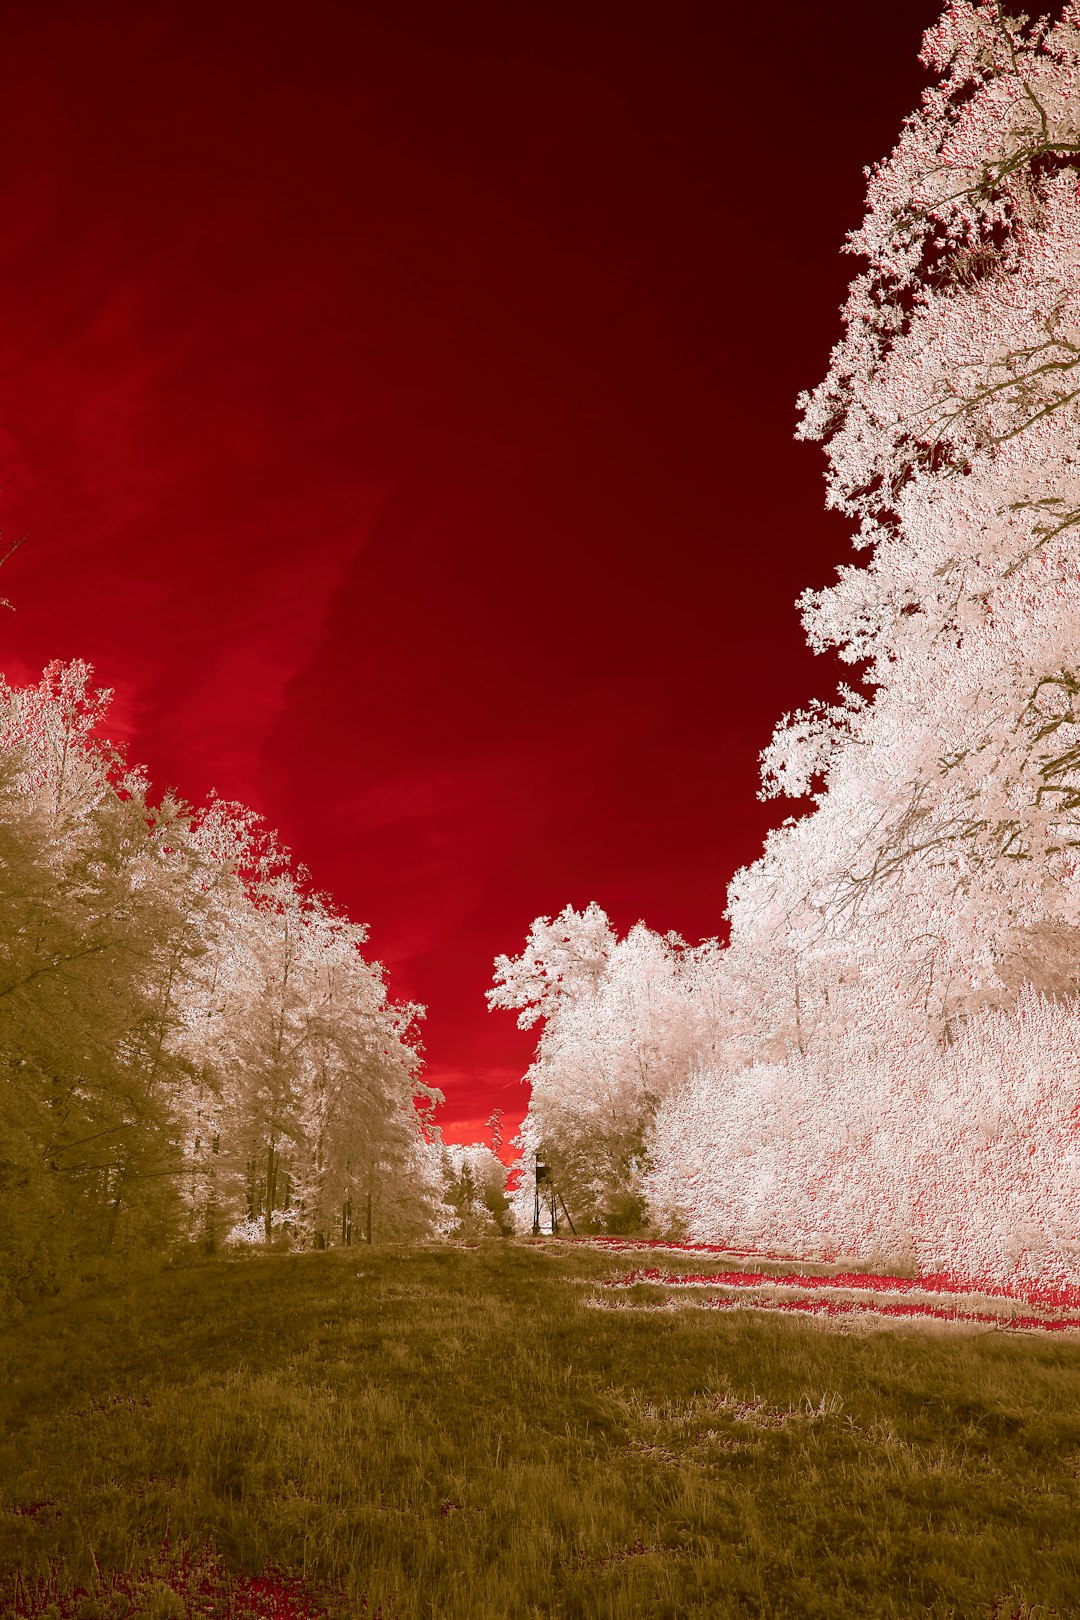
[
  {"x": 97, "y": 925},
  {"x": 873, "y": 1076},
  {"x": 189, "y": 1034},
  {"x": 935, "y": 878},
  {"x": 951, "y": 412},
  {"x": 625, "y": 1021}
]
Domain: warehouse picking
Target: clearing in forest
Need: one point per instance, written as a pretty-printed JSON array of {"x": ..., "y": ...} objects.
[{"x": 468, "y": 1432}]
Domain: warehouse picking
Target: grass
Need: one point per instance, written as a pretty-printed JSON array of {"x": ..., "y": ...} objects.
[{"x": 447, "y": 1433}]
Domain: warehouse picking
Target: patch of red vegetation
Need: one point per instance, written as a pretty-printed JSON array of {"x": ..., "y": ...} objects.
[
  {"x": 1054, "y": 1297},
  {"x": 913, "y": 1309},
  {"x": 200, "y": 1579},
  {"x": 863, "y": 1281}
]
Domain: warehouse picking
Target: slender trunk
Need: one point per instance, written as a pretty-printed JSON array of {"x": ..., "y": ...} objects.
[
  {"x": 271, "y": 1172},
  {"x": 279, "y": 1042},
  {"x": 63, "y": 769},
  {"x": 114, "y": 1211},
  {"x": 798, "y": 1013}
]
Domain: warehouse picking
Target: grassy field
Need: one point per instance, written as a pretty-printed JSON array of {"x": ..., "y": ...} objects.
[{"x": 450, "y": 1433}]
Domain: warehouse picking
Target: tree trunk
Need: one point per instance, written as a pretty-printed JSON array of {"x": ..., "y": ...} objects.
[
  {"x": 271, "y": 1177},
  {"x": 114, "y": 1210}
]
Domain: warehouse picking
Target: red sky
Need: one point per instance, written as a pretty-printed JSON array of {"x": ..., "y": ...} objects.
[{"x": 399, "y": 399}]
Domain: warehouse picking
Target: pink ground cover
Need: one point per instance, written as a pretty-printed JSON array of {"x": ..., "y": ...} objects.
[
  {"x": 913, "y": 1310},
  {"x": 199, "y": 1578},
  {"x": 920, "y": 1289}
]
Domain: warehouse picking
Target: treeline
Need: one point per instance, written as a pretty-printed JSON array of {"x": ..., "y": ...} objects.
[
  {"x": 731, "y": 1095},
  {"x": 885, "y": 1056},
  {"x": 193, "y": 1042}
]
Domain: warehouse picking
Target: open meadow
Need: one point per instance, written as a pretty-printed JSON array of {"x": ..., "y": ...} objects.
[{"x": 449, "y": 1432}]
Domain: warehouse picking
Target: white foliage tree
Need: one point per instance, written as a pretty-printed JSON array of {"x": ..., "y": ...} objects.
[
  {"x": 624, "y": 1022},
  {"x": 564, "y": 958},
  {"x": 474, "y": 1192},
  {"x": 964, "y": 1161},
  {"x": 884, "y": 1074},
  {"x": 100, "y": 923},
  {"x": 311, "y": 1082},
  {"x": 951, "y": 410},
  {"x": 935, "y": 878},
  {"x": 188, "y": 1034}
]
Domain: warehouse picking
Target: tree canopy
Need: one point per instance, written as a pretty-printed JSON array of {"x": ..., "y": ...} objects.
[
  {"x": 884, "y": 1053},
  {"x": 193, "y": 1039}
]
